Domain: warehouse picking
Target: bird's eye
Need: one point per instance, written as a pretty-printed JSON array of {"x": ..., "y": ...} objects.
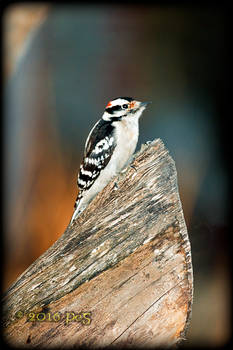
[{"x": 125, "y": 106}]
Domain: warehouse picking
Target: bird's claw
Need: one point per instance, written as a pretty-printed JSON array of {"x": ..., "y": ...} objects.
[{"x": 134, "y": 167}]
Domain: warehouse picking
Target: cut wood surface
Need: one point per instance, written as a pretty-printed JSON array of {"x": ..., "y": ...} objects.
[{"x": 121, "y": 275}]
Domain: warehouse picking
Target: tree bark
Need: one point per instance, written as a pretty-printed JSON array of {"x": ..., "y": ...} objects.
[{"x": 121, "y": 275}]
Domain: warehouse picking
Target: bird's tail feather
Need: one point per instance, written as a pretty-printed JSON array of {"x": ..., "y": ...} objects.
[{"x": 77, "y": 211}]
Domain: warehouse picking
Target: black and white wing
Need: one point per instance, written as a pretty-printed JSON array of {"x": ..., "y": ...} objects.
[{"x": 98, "y": 151}]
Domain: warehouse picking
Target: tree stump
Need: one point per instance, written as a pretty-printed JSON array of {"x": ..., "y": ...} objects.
[{"x": 121, "y": 275}]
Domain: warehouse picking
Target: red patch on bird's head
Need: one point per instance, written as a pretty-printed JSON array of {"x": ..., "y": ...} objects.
[
  {"x": 132, "y": 104},
  {"x": 109, "y": 104}
]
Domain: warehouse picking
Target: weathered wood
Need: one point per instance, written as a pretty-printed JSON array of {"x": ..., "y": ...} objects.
[{"x": 126, "y": 264}]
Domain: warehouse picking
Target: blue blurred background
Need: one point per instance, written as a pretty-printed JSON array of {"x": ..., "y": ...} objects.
[{"x": 73, "y": 63}]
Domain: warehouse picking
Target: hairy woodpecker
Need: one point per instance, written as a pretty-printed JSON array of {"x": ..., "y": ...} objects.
[{"x": 109, "y": 147}]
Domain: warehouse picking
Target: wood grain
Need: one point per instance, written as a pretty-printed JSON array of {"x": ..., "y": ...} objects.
[{"x": 126, "y": 263}]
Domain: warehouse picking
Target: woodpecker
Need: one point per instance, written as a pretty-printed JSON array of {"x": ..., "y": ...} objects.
[{"x": 108, "y": 148}]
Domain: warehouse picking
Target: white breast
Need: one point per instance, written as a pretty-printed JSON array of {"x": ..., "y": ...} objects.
[{"x": 126, "y": 134}]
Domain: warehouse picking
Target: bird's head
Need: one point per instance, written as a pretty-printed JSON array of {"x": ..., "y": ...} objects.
[{"x": 123, "y": 107}]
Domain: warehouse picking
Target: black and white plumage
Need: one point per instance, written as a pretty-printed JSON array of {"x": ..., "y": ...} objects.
[{"x": 108, "y": 148}]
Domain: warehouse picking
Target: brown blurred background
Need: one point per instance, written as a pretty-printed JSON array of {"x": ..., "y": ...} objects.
[{"x": 62, "y": 64}]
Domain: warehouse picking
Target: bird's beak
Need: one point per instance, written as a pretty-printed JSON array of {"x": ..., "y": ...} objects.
[
  {"x": 144, "y": 104},
  {"x": 137, "y": 104}
]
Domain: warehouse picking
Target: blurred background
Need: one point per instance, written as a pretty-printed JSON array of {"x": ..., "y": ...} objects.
[{"x": 62, "y": 64}]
